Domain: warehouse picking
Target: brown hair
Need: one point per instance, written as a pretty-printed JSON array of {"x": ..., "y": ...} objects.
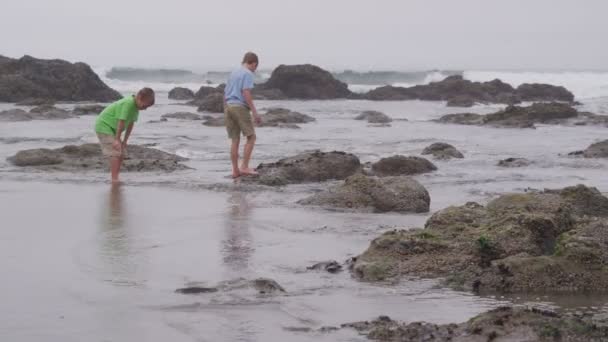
[
  {"x": 250, "y": 58},
  {"x": 147, "y": 94}
]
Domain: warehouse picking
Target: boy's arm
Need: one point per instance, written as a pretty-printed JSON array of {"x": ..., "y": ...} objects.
[
  {"x": 249, "y": 99},
  {"x": 117, "y": 144},
  {"x": 128, "y": 132}
]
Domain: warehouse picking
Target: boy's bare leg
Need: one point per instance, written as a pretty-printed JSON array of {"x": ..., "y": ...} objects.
[
  {"x": 247, "y": 151},
  {"x": 115, "y": 163},
  {"x": 234, "y": 157}
]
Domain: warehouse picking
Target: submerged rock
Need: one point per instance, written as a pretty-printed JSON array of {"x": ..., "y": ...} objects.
[
  {"x": 88, "y": 110},
  {"x": 329, "y": 266},
  {"x": 73, "y": 158},
  {"x": 214, "y": 121},
  {"x": 402, "y": 166},
  {"x": 514, "y": 162},
  {"x": 372, "y": 116},
  {"x": 309, "y": 167},
  {"x": 397, "y": 194},
  {"x": 306, "y": 82},
  {"x": 36, "y": 102},
  {"x": 501, "y": 324},
  {"x": 263, "y": 286},
  {"x": 442, "y": 151},
  {"x": 553, "y": 240},
  {"x": 268, "y": 94},
  {"x": 31, "y": 78},
  {"x": 45, "y": 112},
  {"x": 182, "y": 116},
  {"x": 179, "y": 93},
  {"x": 516, "y": 116}
]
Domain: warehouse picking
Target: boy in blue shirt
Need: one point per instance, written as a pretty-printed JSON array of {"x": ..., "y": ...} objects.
[{"x": 240, "y": 113}]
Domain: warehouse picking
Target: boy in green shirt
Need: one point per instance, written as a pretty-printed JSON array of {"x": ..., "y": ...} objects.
[{"x": 113, "y": 120}]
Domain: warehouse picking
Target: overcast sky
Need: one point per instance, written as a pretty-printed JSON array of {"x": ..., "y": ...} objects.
[{"x": 336, "y": 34}]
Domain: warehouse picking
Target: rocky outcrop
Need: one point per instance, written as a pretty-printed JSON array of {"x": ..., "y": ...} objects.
[
  {"x": 179, "y": 93},
  {"x": 402, "y": 166},
  {"x": 306, "y": 82},
  {"x": 360, "y": 192},
  {"x": 516, "y": 116},
  {"x": 205, "y": 91},
  {"x": 309, "y": 167},
  {"x": 88, "y": 110},
  {"x": 543, "y": 92},
  {"x": 596, "y": 150},
  {"x": 442, "y": 151},
  {"x": 458, "y": 91},
  {"x": 182, "y": 116},
  {"x": 31, "y": 78},
  {"x": 374, "y": 117},
  {"x": 514, "y": 162},
  {"x": 213, "y": 103},
  {"x": 501, "y": 324},
  {"x": 80, "y": 158},
  {"x": 38, "y": 113},
  {"x": 553, "y": 240}
]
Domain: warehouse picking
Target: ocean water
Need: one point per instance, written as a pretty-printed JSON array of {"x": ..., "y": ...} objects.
[{"x": 88, "y": 262}]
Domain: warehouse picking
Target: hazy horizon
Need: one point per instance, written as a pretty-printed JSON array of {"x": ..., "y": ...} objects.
[{"x": 356, "y": 35}]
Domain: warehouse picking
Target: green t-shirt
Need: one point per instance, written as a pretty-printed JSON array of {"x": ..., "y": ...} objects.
[{"x": 124, "y": 109}]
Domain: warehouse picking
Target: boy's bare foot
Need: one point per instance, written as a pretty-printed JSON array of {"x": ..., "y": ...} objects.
[
  {"x": 248, "y": 172},
  {"x": 236, "y": 174}
]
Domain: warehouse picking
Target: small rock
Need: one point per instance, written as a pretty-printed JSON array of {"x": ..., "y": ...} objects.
[
  {"x": 196, "y": 290},
  {"x": 442, "y": 151},
  {"x": 180, "y": 93},
  {"x": 329, "y": 266},
  {"x": 88, "y": 110},
  {"x": 514, "y": 162},
  {"x": 402, "y": 166},
  {"x": 374, "y": 117}
]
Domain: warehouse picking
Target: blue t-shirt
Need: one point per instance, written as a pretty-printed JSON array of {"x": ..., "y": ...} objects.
[{"x": 240, "y": 79}]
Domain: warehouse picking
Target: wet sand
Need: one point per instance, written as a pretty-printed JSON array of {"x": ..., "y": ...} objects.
[{"x": 84, "y": 261}]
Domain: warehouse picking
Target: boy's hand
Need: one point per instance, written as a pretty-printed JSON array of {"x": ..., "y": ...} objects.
[
  {"x": 257, "y": 119},
  {"x": 117, "y": 145}
]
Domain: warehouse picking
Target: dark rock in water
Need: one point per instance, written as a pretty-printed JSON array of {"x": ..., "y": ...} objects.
[
  {"x": 396, "y": 194},
  {"x": 180, "y": 93},
  {"x": 214, "y": 121},
  {"x": 543, "y": 92},
  {"x": 268, "y": 94},
  {"x": 182, "y": 116},
  {"x": 267, "y": 286},
  {"x": 597, "y": 150},
  {"x": 205, "y": 91},
  {"x": 306, "y": 82},
  {"x": 461, "y": 101},
  {"x": 329, "y": 266},
  {"x": 36, "y": 102},
  {"x": 442, "y": 151},
  {"x": 501, "y": 324},
  {"x": 516, "y": 116},
  {"x": 274, "y": 117},
  {"x": 514, "y": 162},
  {"x": 402, "y": 166},
  {"x": 73, "y": 158},
  {"x": 196, "y": 290},
  {"x": 31, "y": 78},
  {"x": 309, "y": 167},
  {"x": 213, "y": 103},
  {"x": 373, "y": 116},
  {"x": 464, "y": 93},
  {"x": 553, "y": 240},
  {"x": 88, "y": 110}
]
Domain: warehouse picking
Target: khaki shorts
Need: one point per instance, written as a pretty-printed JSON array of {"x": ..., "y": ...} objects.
[
  {"x": 238, "y": 119},
  {"x": 107, "y": 149}
]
